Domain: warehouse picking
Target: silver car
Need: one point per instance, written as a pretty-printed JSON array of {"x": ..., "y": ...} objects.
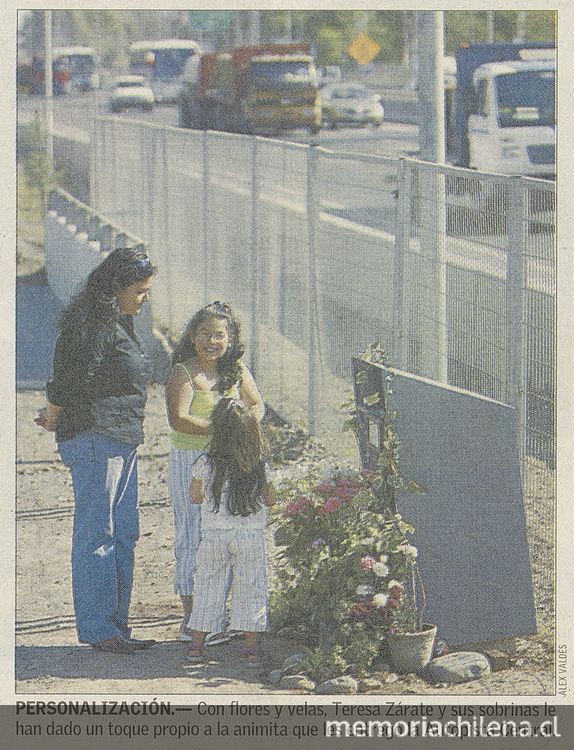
[
  {"x": 131, "y": 92},
  {"x": 350, "y": 104}
]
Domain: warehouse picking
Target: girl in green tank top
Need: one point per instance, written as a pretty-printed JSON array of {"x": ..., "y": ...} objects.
[{"x": 206, "y": 366}]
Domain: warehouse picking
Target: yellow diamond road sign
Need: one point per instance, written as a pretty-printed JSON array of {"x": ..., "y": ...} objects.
[{"x": 363, "y": 49}]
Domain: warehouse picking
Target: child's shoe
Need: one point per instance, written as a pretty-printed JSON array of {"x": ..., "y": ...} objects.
[
  {"x": 196, "y": 654},
  {"x": 184, "y": 633}
]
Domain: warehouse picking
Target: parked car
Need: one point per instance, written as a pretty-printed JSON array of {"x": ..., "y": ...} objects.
[
  {"x": 351, "y": 104},
  {"x": 131, "y": 92}
]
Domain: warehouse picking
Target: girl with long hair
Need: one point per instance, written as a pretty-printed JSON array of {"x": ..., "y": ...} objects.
[
  {"x": 95, "y": 406},
  {"x": 206, "y": 366},
  {"x": 232, "y": 484}
]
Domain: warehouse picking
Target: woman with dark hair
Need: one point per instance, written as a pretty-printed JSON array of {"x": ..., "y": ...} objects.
[
  {"x": 207, "y": 366},
  {"x": 95, "y": 406}
]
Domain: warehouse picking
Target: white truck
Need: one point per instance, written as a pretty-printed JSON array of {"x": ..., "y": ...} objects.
[{"x": 505, "y": 109}]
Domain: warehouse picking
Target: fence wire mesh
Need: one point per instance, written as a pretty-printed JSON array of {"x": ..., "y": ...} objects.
[{"x": 322, "y": 254}]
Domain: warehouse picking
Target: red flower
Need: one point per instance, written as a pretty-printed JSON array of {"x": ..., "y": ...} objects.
[
  {"x": 360, "y": 611},
  {"x": 396, "y": 592}
]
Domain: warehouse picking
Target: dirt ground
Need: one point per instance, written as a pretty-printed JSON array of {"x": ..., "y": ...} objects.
[{"x": 48, "y": 657}]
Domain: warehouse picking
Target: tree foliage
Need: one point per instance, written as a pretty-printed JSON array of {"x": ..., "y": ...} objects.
[{"x": 328, "y": 31}]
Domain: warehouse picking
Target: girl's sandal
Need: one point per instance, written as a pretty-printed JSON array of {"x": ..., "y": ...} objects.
[
  {"x": 195, "y": 654},
  {"x": 252, "y": 657}
]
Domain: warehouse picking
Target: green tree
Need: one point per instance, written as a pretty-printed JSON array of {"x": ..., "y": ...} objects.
[
  {"x": 329, "y": 43},
  {"x": 387, "y": 29},
  {"x": 39, "y": 170}
]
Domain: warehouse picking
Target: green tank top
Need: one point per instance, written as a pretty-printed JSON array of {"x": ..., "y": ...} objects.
[{"x": 202, "y": 405}]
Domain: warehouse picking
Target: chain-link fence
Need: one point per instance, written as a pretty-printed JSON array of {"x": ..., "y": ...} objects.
[{"x": 452, "y": 271}]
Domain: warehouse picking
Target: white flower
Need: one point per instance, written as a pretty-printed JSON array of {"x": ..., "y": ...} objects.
[
  {"x": 394, "y": 584},
  {"x": 364, "y": 590},
  {"x": 380, "y": 600},
  {"x": 380, "y": 569},
  {"x": 409, "y": 550},
  {"x": 384, "y": 558}
]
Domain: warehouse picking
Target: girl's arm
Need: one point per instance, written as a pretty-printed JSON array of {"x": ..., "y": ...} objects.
[
  {"x": 196, "y": 491},
  {"x": 250, "y": 393},
  {"x": 178, "y": 397},
  {"x": 269, "y": 495}
]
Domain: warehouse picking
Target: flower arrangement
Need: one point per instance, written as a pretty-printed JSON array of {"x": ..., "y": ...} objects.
[
  {"x": 344, "y": 566},
  {"x": 347, "y": 570}
]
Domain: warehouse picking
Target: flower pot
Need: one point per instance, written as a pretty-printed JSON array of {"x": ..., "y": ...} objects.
[{"x": 411, "y": 652}]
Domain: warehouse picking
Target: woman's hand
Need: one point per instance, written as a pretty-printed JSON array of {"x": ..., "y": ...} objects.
[{"x": 47, "y": 417}]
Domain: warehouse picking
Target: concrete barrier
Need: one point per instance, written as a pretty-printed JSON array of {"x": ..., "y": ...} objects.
[{"x": 76, "y": 241}]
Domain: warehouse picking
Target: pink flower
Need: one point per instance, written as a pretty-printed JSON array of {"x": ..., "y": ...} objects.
[
  {"x": 297, "y": 506},
  {"x": 324, "y": 488},
  {"x": 343, "y": 493},
  {"x": 367, "y": 562},
  {"x": 330, "y": 505}
]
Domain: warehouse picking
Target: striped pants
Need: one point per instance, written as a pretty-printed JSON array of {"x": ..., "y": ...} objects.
[
  {"x": 186, "y": 518},
  {"x": 230, "y": 560}
]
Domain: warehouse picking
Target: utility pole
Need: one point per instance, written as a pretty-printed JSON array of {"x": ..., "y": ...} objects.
[
  {"x": 520, "y": 26},
  {"x": 430, "y": 37},
  {"x": 237, "y": 28},
  {"x": 289, "y": 31},
  {"x": 48, "y": 86},
  {"x": 432, "y": 302},
  {"x": 254, "y": 27},
  {"x": 490, "y": 26}
]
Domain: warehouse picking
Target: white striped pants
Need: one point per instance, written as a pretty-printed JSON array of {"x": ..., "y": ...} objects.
[
  {"x": 186, "y": 518},
  {"x": 230, "y": 560}
]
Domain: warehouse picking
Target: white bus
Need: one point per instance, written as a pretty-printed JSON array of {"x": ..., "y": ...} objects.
[
  {"x": 82, "y": 63},
  {"x": 163, "y": 63}
]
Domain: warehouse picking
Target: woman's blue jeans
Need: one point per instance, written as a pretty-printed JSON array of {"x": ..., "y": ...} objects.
[{"x": 106, "y": 528}]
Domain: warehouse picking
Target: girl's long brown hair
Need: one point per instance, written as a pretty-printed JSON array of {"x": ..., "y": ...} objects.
[{"x": 236, "y": 456}]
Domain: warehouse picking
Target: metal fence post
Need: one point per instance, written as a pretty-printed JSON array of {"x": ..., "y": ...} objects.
[
  {"x": 164, "y": 237},
  {"x": 516, "y": 284},
  {"x": 281, "y": 313},
  {"x": 402, "y": 237},
  {"x": 205, "y": 250},
  {"x": 432, "y": 240},
  {"x": 95, "y": 155},
  {"x": 254, "y": 260},
  {"x": 313, "y": 296}
]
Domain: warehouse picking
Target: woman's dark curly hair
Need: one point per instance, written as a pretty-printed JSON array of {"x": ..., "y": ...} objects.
[
  {"x": 227, "y": 367},
  {"x": 96, "y": 302}
]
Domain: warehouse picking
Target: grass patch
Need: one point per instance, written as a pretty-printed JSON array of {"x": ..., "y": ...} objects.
[{"x": 30, "y": 213}]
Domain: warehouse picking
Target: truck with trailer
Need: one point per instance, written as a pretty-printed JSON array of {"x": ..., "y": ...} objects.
[
  {"x": 503, "y": 117},
  {"x": 262, "y": 89}
]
